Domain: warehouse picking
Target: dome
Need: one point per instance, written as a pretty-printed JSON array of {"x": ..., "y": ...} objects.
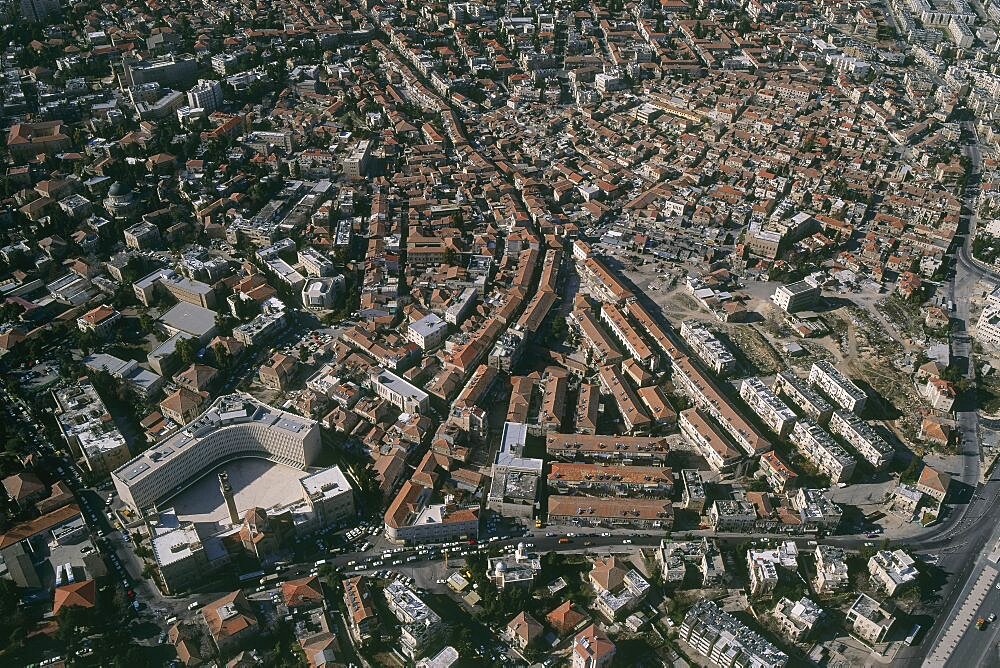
[
  {"x": 117, "y": 189},
  {"x": 520, "y": 547},
  {"x": 501, "y": 567}
]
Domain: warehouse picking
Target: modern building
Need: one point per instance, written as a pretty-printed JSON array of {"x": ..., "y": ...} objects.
[
  {"x": 816, "y": 511},
  {"x": 811, "y": 404},
  {"x": 674, "y": 557},
  {"x": 724, "y": 641},
  {"x": 892, "y": 570},
  {"x": 693, "y": 495},
  {"x": 206, "y": 94},
  {"x": 428, "y": 332},
  {"x": 419, "y": 625},
  {"x": 85, "y": 424},
  {"x": 763, "y": 566},
  {"x": 732, "y": 516},
  {"x": 708, "y": 347},
  {"x": 234, "y": 426},
  {"x": 798, "y": 296},
  {"x": 868, "y": 620},
  {"x": 862, "y": 438},
  {"x": 321, "y": 293},
  {"x": 819, "y": 448},
  {"x": 768, "y": 407},
  {"x": 180, "y": 554},
  {"x": 838, "y": 387},
  {"x": 515, "y": 479},
  {"x": 142, "y": 235},
  {"x": 398, "y": 392}
]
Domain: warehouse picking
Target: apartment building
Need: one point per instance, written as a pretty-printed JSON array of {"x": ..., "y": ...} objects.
[
  {"x": 763, "y": 566},
  {"x": 693, "y": 496},
  {"x": 234, "y": 425},
  {"x": 592, "y": 649},
  {"x": 831, "y": 569},
  {"x": 259, "y": 330},
  {"x": 816, "y": 511},
  {"x": 716, "y": 405},
  {"x": 633, "y": 342},
  {"x": 731, "y": 516},
  {"x": 777, "y": 473},
  {"x": 892, "y": 570},
  {"x": 143, "y": 235},
  {"x": 708, "y": 347},
  {"x": 788, "y": 385},
  {"x": 838, "y": 387},
  {"x": 617, "y": 588},
  {"x": 633, "y": 415},
  {"x": 866, "y": 442},
  {"x": 724, "y": 641},
  {"x": 711, "y": 443},
  {"x": 398, "y": 392},
  {"x": 419, "y": 625},
  {"x": 675, "y": 556},
  {"x": 797, "y": 619},
  {"x": 179, "y": 553},
  {"x": 428, "y": 332},
  {"x": 611, "y": 512},
  {"x": 601, "y": 347},
  {"x": 772, "y": 410},
  {"x": 868, "y": 620},
  {"x": 411, "y": 518},
  {"x": 819, "y": 448},
  {"x": 362, "y": 619},
  {"x": 798, "y": 296},
  {"x": 577, "y": 478},
  {"x": 605, "y": 448},
  {"x": 84, "y": 423}
]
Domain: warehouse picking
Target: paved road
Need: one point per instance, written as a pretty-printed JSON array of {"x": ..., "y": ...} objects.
[{"x": 966, "y": 545}]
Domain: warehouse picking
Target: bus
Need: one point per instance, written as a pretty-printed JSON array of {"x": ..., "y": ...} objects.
[
  {"x": 911, "y": 639},
  {"x": 256, "y": 575}
]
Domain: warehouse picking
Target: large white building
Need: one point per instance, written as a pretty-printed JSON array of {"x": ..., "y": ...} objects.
[
  {"x": 708, "y": 347},
  {"x": 892, "y": 570},
  {"x": 80, "y": 414},
  {"x": 875, "y": 450},
  {"x": 428, "y": 332},
  {"x": 797, "y": 296},
  {"x": 819, "y": 448},
  {"x": 725, "y": 641},
  {"x": 772, "y": 410},
  {"x": 206, "y": 94},
  {"x": 398, "y": 392},
  {"x": 838, "y": 387},
  {"x": 419, "y": 625},
  {"x": 234, "y": 426}
]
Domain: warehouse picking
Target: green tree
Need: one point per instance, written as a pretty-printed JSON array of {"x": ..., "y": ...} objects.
[{"x": 187, "y": 350}]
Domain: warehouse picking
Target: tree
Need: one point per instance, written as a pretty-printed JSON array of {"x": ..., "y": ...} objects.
[
  {"x": 146, "y": 323},
  {"x": 187, "y": 350}
]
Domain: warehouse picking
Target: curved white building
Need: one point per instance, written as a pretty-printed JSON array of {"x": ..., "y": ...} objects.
[{"x": 234, "y": 426}]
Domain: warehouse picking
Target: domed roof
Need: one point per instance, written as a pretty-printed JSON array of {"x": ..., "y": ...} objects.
[
  {"x": 501, "y": 567},
  {"x": 117, "y": 189}
]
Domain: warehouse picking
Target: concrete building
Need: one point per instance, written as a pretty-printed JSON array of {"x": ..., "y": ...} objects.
[
  {"x": 892, "y": 571},
  {"x": 727, "y": 515},
  {"x": 428, "y": 332},
  {"x": 819, "y": 448},
  {"x": 868, "y": 620},
  {"x": 798, "y": 296},
  {"x": 866, "y": 442},
  {"x": 771, "y": 410},
  {"x": 763, "y": 566},
  {"x": 419, "y": 625},
  {"x": 693, "y": 493},
  {"x": 710, "y": 442},
  {"x": 85, "y": 424},
  {"x": 143, "y": 235},
  {"x": 398, "y": 392},
  {"x": 724, "y": 641},
  {"x": 515, "y": 479},
  {"x": 180, "y": 554},
  {"x": 234, "y": 426},
  {"x": 708, "y": 347},
  {"x": 811, "y": 404},
  {"x": 206, "y": 94},
  {"x": 835, "y": 385},
  {"x": 322, "y": 293}
]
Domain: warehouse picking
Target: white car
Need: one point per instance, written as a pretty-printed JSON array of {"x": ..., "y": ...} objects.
[{"x": 627, "y": 541}]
